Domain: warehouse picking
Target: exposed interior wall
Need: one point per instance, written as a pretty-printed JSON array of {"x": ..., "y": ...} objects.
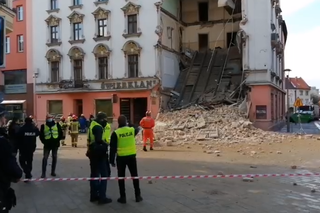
[
  {"x": 172, "y": 6},
  {"x": 214, "y": 27},
  {"x": 171, "y": 35},
  {"x": 170, "y": 68}
]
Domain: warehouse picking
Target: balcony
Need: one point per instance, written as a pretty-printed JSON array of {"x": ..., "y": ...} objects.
[{"x": 9, "y": 15}]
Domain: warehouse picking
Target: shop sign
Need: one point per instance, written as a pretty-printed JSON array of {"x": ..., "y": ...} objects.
[
  {"x": 127, "y": 85},
  {"x": 15, "y": 88}
]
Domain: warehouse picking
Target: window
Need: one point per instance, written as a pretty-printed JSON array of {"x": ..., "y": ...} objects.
[
  {"x": 102, "y": 28},
  {"x": 55, "y": 65},
  {"x": 301, "y": 92},
  {"x": 19, "y": 13},
  {"x": 105, "y": 105},
  {"x": 77, "y": 31},
  {"x": 20, "y": 43},
  {"x": 132, "y": 24},
  {"x": 54, "y": 34},
  {"x": 307, "y": 92},
  {"x": 8, "y": 45},
  {"x": 15, "y": 77},
  {"x": 76, "y": 2},
  {"x": 55, "y": 107},
  {"x": 77, "y": 69},
  {"x": 103, "y": 68},
  {"x": 261, "y": 112},
  {"x": 54, "y": 4},
  {"x": 232, "y": 41},
  {"x": 203, "y": 11},
  {"x": 133, "y": 66}
]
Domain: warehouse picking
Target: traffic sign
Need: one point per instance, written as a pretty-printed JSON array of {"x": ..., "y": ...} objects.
[{"x": 298, "y": 103}]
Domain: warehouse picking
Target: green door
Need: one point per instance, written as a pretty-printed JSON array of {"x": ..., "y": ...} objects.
[{"x": 105, "y": 105}]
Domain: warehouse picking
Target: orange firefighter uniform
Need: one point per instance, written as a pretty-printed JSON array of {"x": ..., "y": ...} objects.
[{"x": 147, "y": 123}]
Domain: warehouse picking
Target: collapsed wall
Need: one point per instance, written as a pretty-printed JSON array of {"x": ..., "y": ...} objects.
[{"x": 221, "y": 124}]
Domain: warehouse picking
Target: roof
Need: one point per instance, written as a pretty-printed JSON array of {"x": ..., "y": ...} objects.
[
  {"x": 288, "y": 84},
  {"x": 299, "y": 83}
]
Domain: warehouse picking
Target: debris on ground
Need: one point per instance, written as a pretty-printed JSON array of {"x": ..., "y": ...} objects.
[{"x": 223, "y": 123}]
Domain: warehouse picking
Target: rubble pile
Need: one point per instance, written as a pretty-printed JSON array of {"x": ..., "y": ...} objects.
[{"x": 224, "y": 123}]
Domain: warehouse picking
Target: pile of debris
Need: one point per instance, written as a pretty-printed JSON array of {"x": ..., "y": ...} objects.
[{"x": 223, "y": 123}]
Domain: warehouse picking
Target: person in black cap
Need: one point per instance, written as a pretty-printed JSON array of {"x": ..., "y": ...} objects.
[
  {"x": 123, "y": 145},
  {"x": 98, "y": 155},
  {"x": 9, "y": 169},
  {"x": 27, "y": 143}
]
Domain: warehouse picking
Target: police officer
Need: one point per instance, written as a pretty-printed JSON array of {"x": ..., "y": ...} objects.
[
  {"x": 123, "y": 144},
  {"x": 27, "y": 144},
  {"x": 9, "y": 170},
  {"x": 50, "y": 135},
  {"x": 98, "y": 139}
]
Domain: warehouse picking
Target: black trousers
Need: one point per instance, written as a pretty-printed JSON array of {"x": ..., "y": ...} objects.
[
  {"x": 46, "y": 153},
  {"x": 26, "y": 160},
  {"x": 122, "y": 163}
]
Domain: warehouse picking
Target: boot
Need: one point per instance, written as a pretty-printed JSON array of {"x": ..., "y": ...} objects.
[
  {"x": 145, "y": 148},
  {"x": 139, "y": 198},
  {"x": 53, "y": 167},
  {"x": 122, "y": 200},
  {"x": 104, "y": 201},
  {"x": 151, "y": 148}
]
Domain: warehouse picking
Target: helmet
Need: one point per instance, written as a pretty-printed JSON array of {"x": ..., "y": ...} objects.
[
  {"x": 63, "y": 118},
  {"x": 148, "y": 113},
  {"x": 30, "y": 116},
  {"x": 102, "y": 116},
  {"x": 74, "y": 117}
]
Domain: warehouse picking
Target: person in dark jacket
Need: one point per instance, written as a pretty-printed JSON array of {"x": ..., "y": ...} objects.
[
  {"x": 98, "y": 155},
  {"x": 50, "y": 135},
  {"x": 27, "y": 143},
  {"x": 9, "y": 169},
  {"x": 13, "y": 129},
  {"x": 123, "y": 145}
]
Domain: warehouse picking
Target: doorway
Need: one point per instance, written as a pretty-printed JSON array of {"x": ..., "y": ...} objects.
[
  {"x": 203, "y": 11},
  {"x": 203, "y": 42},
  {"x": 140, "y": 106},
  {"x": 125, "y": 107},
  {"x": 78, "y": 107}
]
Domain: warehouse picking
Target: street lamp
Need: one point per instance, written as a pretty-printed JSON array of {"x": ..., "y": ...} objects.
[
  {"x": 288, "y": 106},
  {"x": 35, "y": 76}
]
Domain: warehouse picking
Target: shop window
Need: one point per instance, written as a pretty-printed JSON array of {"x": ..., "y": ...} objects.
[
  {"x": 15, "y": 81},
  {"x": 55, "y": 107},
  {"x": 261, "y": 112},
  {"x": 105, "y": 105}
]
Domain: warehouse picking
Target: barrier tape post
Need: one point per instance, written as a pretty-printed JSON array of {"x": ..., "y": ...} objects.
[{"x": 173, "y": 177}]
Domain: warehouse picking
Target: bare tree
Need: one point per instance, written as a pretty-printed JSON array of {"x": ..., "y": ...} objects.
[{"x": 315, "y": 98}]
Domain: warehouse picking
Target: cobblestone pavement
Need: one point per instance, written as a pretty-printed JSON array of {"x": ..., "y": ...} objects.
[{"x": 170, "y": 196}]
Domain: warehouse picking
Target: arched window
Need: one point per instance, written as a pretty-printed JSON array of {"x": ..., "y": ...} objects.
[
  {"x": 132, "y": 51},
  {"x": 54, "y": 59}
]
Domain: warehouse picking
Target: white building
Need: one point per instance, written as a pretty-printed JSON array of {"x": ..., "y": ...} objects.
[{"x": 122, "y": 52}]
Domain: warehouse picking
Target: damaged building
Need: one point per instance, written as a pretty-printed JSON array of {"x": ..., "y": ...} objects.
[{"x": 224, "y": 51}]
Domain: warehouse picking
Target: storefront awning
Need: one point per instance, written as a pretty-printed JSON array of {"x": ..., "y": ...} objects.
[{"x": 13, "y": 101}]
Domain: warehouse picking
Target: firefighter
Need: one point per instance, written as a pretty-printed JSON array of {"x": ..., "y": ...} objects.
[
  {"x": 50, "y": 136},
  {"x": 123, "y": 145},
  {"x": 64, "y": 128},
  {"x": 147, "y": 123},
  {"x": 98, "y": 155},
  {"x": 74, "y": 131}
]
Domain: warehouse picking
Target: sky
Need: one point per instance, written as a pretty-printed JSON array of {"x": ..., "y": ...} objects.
[{"x": 302, "y": 51}]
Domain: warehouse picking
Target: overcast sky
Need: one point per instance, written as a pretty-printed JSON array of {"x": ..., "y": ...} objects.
[{"x": 302, "y": 54}]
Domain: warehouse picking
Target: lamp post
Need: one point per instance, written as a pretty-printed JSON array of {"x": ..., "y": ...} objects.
[
  {"x": 288, "y": 106},
  {"x": 35, "y": 76}
]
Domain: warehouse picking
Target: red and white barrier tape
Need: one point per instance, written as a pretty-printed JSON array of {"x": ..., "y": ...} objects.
[{"x": 174, "y": 177}]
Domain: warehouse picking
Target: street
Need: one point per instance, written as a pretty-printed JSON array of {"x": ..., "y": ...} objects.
[{"x": 190, "y": 195}]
